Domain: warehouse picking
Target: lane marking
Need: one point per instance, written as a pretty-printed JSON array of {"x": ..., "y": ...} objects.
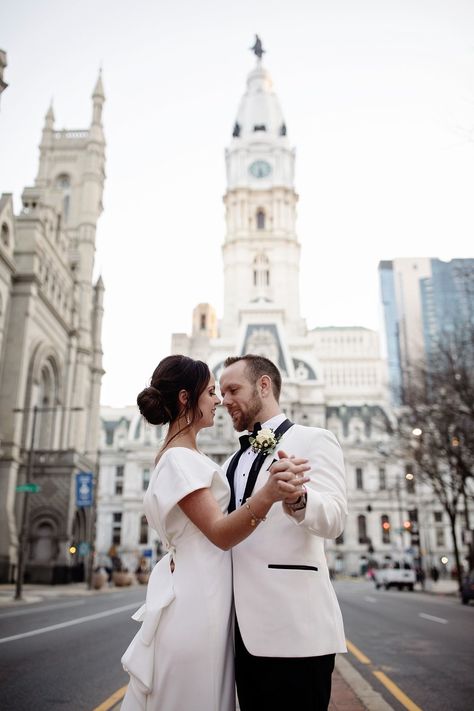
[
  {"x": 357, "y": 653},
  {"x": 441, "y": 620},
  {"x": 70, "y": 623},
  {"x": 396, "y": 691},
  {"x": 370, "y": 599},
  {"x": 112, "y": 700},
  {"x": 16, "y": 613}
]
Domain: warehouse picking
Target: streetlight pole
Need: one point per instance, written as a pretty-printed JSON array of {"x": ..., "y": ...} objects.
[{"x": 24, "y": 518}]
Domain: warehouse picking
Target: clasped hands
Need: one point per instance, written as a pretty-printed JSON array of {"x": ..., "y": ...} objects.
[{"x": 287, "y": 477}]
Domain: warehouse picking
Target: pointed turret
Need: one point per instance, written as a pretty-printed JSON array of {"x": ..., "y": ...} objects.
[
  {"x": 98, "y": 98},
  {"x": 49, "y": 119}
]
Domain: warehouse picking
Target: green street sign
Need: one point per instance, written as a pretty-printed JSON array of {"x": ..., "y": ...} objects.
[{"x": 30, "y": 488}]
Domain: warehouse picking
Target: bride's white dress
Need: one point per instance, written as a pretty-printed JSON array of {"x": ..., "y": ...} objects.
[{"x": 182, "y": 657}]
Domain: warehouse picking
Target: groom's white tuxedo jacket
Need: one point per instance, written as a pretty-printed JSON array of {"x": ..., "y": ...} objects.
[{"x": 284, "y": 600}]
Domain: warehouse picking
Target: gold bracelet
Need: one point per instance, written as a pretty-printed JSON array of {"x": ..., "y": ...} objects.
[{"x": 255, "y": 519}]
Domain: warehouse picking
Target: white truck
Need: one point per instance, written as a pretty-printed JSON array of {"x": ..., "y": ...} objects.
[{"x": 395, "y": 578}]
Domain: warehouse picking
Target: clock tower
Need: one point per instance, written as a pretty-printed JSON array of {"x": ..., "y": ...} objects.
[{"x": 261, "y": 252}]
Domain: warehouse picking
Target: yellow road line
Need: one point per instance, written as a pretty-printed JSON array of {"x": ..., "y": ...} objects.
[
  {"x": 396, "y": 691},
  {"x": 112, "y": 700},
  {"x": 357, "y": 653},
  {"x": 401, "y": 697}
]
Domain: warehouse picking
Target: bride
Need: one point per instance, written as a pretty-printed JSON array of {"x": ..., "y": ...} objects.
[{"x": 182, "y": 656}]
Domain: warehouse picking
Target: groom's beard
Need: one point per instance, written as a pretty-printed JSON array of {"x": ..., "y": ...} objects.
[{"x": 245, "y": 420}]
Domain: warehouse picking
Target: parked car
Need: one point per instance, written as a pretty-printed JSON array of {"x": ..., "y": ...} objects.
[
  {"x": 467, "y": 589},
  {"x": 395, "y": 578}
]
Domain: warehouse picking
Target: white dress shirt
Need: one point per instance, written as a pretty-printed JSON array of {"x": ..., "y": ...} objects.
[{"x": 246, "y": 460}]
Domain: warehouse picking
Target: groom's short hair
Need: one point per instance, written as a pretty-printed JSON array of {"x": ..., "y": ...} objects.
[{"x": 255, "y": 367}]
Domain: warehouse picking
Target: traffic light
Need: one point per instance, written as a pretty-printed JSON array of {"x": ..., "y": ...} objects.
[{"x": 414, "y": 530}]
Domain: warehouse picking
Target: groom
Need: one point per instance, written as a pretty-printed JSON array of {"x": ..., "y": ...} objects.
[{"x": 288, "y": 622}]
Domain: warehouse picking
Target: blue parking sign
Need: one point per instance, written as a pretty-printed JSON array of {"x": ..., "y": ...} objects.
[{"x": 84, "y": 489}]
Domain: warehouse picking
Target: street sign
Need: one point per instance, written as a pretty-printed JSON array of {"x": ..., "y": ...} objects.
[
  {"x": 147, "y": 553},
  {"x": 30, "y": 488},
  {"x": 84, "y": 489},
  {"x": 84, "y": 548}
]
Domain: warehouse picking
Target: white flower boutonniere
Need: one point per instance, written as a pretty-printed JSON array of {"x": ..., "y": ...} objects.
[{"x": 264, "y": 441}]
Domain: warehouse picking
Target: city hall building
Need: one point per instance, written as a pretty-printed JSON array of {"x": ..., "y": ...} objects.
[{"x": 333, "y": 377}]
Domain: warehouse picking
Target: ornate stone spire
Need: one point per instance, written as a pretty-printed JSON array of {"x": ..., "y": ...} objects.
[{"x": 98, "y": 98}]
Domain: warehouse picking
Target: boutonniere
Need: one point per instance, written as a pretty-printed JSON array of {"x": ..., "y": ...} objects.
[{"x": 264, "y": 441}]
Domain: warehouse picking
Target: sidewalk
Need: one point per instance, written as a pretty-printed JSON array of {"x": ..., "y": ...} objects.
[{"x": 38, "y": 593}]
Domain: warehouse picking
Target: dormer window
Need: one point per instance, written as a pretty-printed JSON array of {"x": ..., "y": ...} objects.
[
  {"x": 260, "y": 219},
  {"x": 236, "y": 131},
  {"x": 260, "y": 127},
  {"x": 283, "y": 129}
]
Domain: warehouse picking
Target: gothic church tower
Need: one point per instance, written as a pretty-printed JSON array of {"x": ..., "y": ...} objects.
[{"x": 51, "y": 354}]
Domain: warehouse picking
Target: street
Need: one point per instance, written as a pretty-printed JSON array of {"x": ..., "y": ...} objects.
[
  {"x": 74, "y": 667},
  {"x": 424, "y": 643},
  {"x": 64, "y": 652}
]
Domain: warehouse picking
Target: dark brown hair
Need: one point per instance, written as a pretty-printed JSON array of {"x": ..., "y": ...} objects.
[
  {"x": 159, "y": 404},
  {"x": 255, "y": 367}
]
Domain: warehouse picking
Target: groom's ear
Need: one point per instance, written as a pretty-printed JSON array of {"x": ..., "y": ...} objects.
[{"x": 265, "y": 386}]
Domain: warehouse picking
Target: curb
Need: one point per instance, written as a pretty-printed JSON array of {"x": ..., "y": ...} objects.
[
  {"x": 51, "y": 593},
  {"x": 371, "y": 699}
]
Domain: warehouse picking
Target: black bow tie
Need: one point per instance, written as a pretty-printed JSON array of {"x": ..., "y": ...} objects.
[{"x": 245, "y": 439}]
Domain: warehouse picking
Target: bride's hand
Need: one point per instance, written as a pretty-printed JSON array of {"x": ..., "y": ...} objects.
[{"x": 286, "y": 478}]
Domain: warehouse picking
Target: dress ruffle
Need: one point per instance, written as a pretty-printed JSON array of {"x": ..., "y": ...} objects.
[{"x": 139, "y": 658}]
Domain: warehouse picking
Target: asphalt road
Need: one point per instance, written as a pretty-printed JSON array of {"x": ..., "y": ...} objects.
[
  {"x": 74, "y": 666},
  {"x": 423, "y": 643}
]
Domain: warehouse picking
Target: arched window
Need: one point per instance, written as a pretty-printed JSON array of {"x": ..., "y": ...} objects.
[
  {"x": 5, "y": 235},
  {"x": 63, "y": 182},
  {"x": 260, "y": 219},
  {"x": 261, "y": 271},
  {"x": 143, "y": 530},
  {"x": 362, "y": 528},
  {"x": 46, "y": 402}
]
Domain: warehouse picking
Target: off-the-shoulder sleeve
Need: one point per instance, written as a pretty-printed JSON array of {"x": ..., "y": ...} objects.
[{"x": 182, "y": 472}]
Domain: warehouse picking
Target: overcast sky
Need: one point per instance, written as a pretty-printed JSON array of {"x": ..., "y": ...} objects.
[{"x": 378, "y": 97}]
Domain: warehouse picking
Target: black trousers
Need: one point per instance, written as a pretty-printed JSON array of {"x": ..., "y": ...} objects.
[{"x": 281, "y": 683}]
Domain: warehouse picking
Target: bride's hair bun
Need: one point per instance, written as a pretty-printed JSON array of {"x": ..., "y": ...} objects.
[
  {"x": 151, "y": 406},
  {"x": 159, "y": 402}
]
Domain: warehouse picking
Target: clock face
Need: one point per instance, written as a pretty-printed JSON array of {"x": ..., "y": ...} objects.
[{"x": 260, "y": 169}]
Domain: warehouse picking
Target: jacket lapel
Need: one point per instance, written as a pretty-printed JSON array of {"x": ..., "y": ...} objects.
[
  {"x": 230, "y": 478},
  {"x": 258, "y": 461}
]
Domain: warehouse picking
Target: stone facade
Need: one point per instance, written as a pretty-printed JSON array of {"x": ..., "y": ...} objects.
[{"x": 50, "y": 348}]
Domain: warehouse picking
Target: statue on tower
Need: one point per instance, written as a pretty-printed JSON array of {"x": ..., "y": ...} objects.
[{"x": 258, "y": 48}]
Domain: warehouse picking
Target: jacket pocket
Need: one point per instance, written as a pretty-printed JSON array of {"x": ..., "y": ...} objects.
[{"x": 292, "y": 567}]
